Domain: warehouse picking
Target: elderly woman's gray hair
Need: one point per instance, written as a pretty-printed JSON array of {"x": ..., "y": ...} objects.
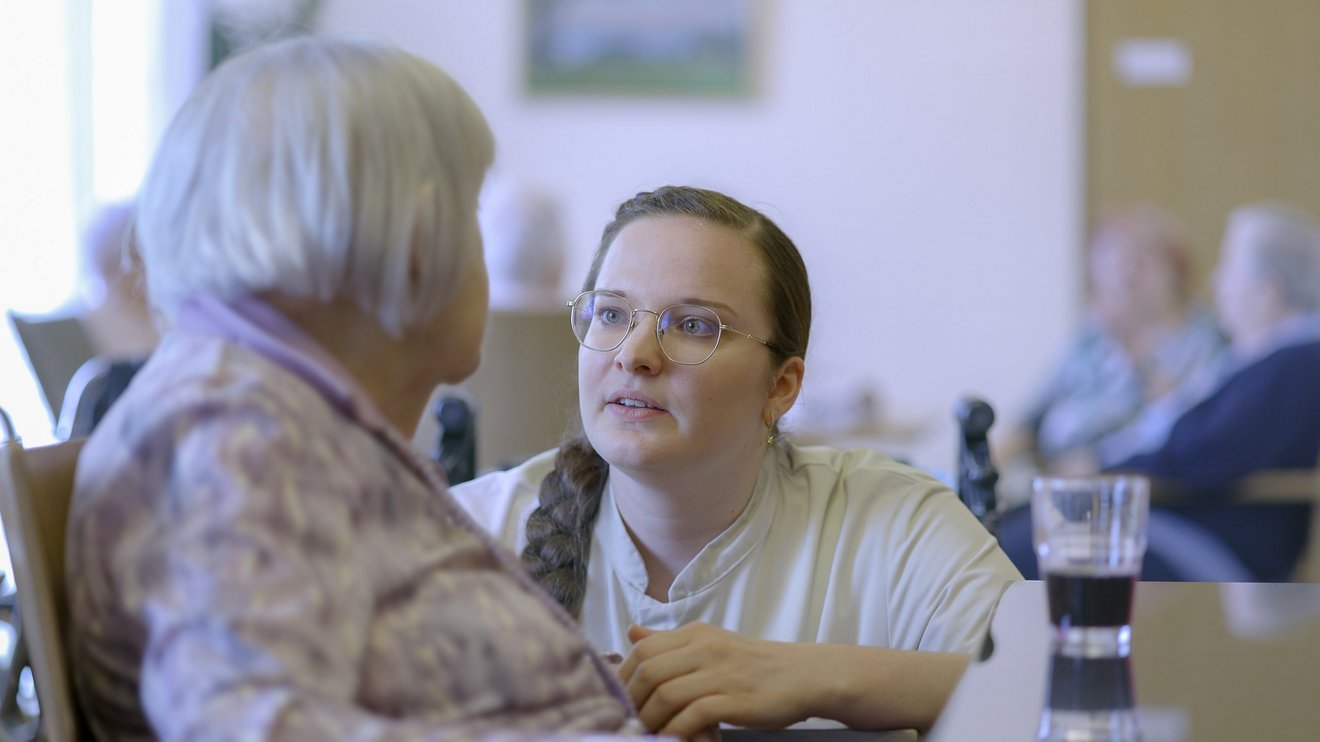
[
  {"x": 1285, "y": 248},
  {"x": 318, "y": 168}
]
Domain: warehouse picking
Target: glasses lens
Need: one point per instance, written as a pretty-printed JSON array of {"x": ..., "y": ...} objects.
[
  {"x": 689, "y": 333},
  {"x": 600, "y": 320}
]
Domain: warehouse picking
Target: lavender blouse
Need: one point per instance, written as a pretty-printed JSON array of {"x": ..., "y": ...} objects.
[{"x": 254, "y": 553}]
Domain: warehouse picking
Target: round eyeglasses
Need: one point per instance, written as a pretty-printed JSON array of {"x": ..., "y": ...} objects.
[{"x": 688, "y": 334}]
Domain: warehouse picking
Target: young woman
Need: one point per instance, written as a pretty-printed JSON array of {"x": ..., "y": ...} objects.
[
  {"x": 254, "y": 551},
  {"x": 737, "y": 571}
]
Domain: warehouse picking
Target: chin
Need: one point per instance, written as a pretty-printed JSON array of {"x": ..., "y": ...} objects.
[
  {"x": 631, "y": 452},
  {"x": 459, "y": 371}
]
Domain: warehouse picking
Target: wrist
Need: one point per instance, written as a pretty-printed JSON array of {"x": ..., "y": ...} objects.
[{"x": 846, "y": 682}]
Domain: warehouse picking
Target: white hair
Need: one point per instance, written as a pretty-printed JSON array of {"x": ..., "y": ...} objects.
[
  {"x": 1285, "y": 247},
  {"x": 305, "y": 167}
]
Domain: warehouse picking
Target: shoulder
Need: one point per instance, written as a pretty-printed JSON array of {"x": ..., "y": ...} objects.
[
  {"x": 868, "y": 487},
  {"x": 1289, "y": 364},
  {"x": 209, "y": 410},
  {"x": 500, "y": 501},
  {"x": 1301, "y": 355},
  {"x": 860, "y": 472}
]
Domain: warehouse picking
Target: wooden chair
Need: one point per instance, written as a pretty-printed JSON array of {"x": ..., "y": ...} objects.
[
  {"x": 36, "y": 486},
  {"x": 1265, "y": 487},
  {"x": 1291, "y": 485}
]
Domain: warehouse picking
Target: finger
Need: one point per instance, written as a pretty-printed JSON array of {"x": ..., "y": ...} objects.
[
  {"x": 681, "y": 684},
  {"x": 653, "y": 644},
  {"x": 637, "y": 632},
  {"x": 699, "y": 717},
  {"x": 654, "y": 673}
]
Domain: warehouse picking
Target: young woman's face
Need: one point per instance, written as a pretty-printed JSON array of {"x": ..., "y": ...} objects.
[{"x": 642, "y": 411}]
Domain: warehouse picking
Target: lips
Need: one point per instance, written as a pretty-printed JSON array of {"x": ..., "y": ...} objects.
[{"x": 634, "y": 401}]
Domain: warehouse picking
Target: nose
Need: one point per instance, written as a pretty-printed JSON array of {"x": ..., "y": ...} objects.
[{"x": 640, "y": 352}]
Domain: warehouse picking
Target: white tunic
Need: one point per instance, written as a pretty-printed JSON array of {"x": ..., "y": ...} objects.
[{"x": 835, "y": 546}]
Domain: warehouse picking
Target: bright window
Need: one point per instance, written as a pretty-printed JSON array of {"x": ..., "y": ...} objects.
[{"x": 86, "y": 86}]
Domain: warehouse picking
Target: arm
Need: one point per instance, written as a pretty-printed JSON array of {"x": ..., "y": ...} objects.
[
  {"x": 1262, "y": 417},
  {"x": 690, "y": 678}
]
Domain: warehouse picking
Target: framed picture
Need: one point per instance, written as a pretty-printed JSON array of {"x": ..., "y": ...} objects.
[{"x": 640, "y": 47}]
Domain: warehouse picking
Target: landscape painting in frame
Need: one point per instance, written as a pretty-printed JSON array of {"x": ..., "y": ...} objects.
[{"x": 640, "y": 47}]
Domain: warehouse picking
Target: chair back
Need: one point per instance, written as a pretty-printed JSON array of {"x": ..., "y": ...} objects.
[
  {"x": 54, "y": 349},
  {"x": 36, "y": 486},
  {"x": 1292, "y": 485}
]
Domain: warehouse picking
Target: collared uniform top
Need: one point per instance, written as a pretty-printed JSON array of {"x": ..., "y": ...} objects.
[
  {"x": 835, "y": 546},
  {"x": 254, "y": 553}
]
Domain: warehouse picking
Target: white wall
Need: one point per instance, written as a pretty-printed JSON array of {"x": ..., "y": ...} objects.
[{"x": 923, "y": 154}]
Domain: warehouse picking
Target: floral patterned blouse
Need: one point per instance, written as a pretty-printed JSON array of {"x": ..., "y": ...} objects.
[{"x": 253, "y": 552}]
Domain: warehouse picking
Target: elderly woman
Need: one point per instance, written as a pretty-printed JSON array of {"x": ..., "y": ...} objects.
[
  {"x": 1263, "y": 415},
  {"x": 254, "y": 551},
  {"x": 751, "y": 581},
  {"x": 1145, "y": 354}
]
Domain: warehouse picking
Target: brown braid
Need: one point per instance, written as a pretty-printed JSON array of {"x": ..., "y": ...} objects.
[{"x": 559, "y": 530}]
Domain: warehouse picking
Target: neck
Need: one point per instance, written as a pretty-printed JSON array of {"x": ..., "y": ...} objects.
[
  {"x": 378, "y": 362},
  {"x": 1141, "y": 338},
  {"x": 672, "y": 518},
  {"x": 1254, "y": 342}
]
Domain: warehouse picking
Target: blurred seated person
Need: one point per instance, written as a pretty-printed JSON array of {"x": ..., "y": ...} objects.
[
  {"x": 1144, "y": 355},
  {"x": 1265, "y": 414},
  {"x": 116, "y": 315},
  {"x": 255, "y": 551},
  {"x": 750, "y": 581}
]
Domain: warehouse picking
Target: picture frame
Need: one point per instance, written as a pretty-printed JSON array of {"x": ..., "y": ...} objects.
[{"x": 640, "y": 47}]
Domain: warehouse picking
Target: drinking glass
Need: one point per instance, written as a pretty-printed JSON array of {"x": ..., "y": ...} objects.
[{"x": 1090, "y": 537}]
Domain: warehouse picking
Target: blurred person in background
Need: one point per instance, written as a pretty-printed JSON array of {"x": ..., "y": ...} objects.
[
  {"x": 1263, "y": 415},
  {"x": 254, "y": 549},
  {"x": 1145, "y": 354},
  {"x": 117, "y": 316}
]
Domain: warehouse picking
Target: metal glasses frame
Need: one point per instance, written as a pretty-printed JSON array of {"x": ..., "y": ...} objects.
[{"x": 632, "y": 325}]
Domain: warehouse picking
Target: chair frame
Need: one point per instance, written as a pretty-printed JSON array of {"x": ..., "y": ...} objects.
[
  {"x": 1266, "y": 487},
  {"x": 36, "y": 486},
  {"x": 85, "y": 388},
  {"x": 1291, "y": 485}
]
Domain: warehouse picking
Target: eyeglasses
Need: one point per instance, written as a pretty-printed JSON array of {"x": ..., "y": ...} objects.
[{"x": 688, "y": 334}]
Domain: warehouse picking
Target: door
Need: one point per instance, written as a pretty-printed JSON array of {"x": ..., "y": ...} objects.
[{"x": 1239, "y": 122}]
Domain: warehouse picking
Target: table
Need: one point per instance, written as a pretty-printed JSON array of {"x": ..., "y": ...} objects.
[{"x": 1210, "y": 661}]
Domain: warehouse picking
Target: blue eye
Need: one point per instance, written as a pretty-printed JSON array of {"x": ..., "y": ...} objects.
[
  {"x": 610, "y": 315},
  {"x": 697, "y": 326}
]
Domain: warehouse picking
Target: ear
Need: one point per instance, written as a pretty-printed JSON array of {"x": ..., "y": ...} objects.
[
  {"x": 1274, "y": 295},
  {"x": 784, "y": 388},
  {"x": 423, "y": 232}
]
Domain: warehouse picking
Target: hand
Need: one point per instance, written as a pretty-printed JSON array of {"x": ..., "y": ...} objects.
[{"x": 692, "y": 678}]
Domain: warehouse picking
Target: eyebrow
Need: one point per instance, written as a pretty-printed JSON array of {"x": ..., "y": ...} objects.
[{"x": 718, "y": 306}]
